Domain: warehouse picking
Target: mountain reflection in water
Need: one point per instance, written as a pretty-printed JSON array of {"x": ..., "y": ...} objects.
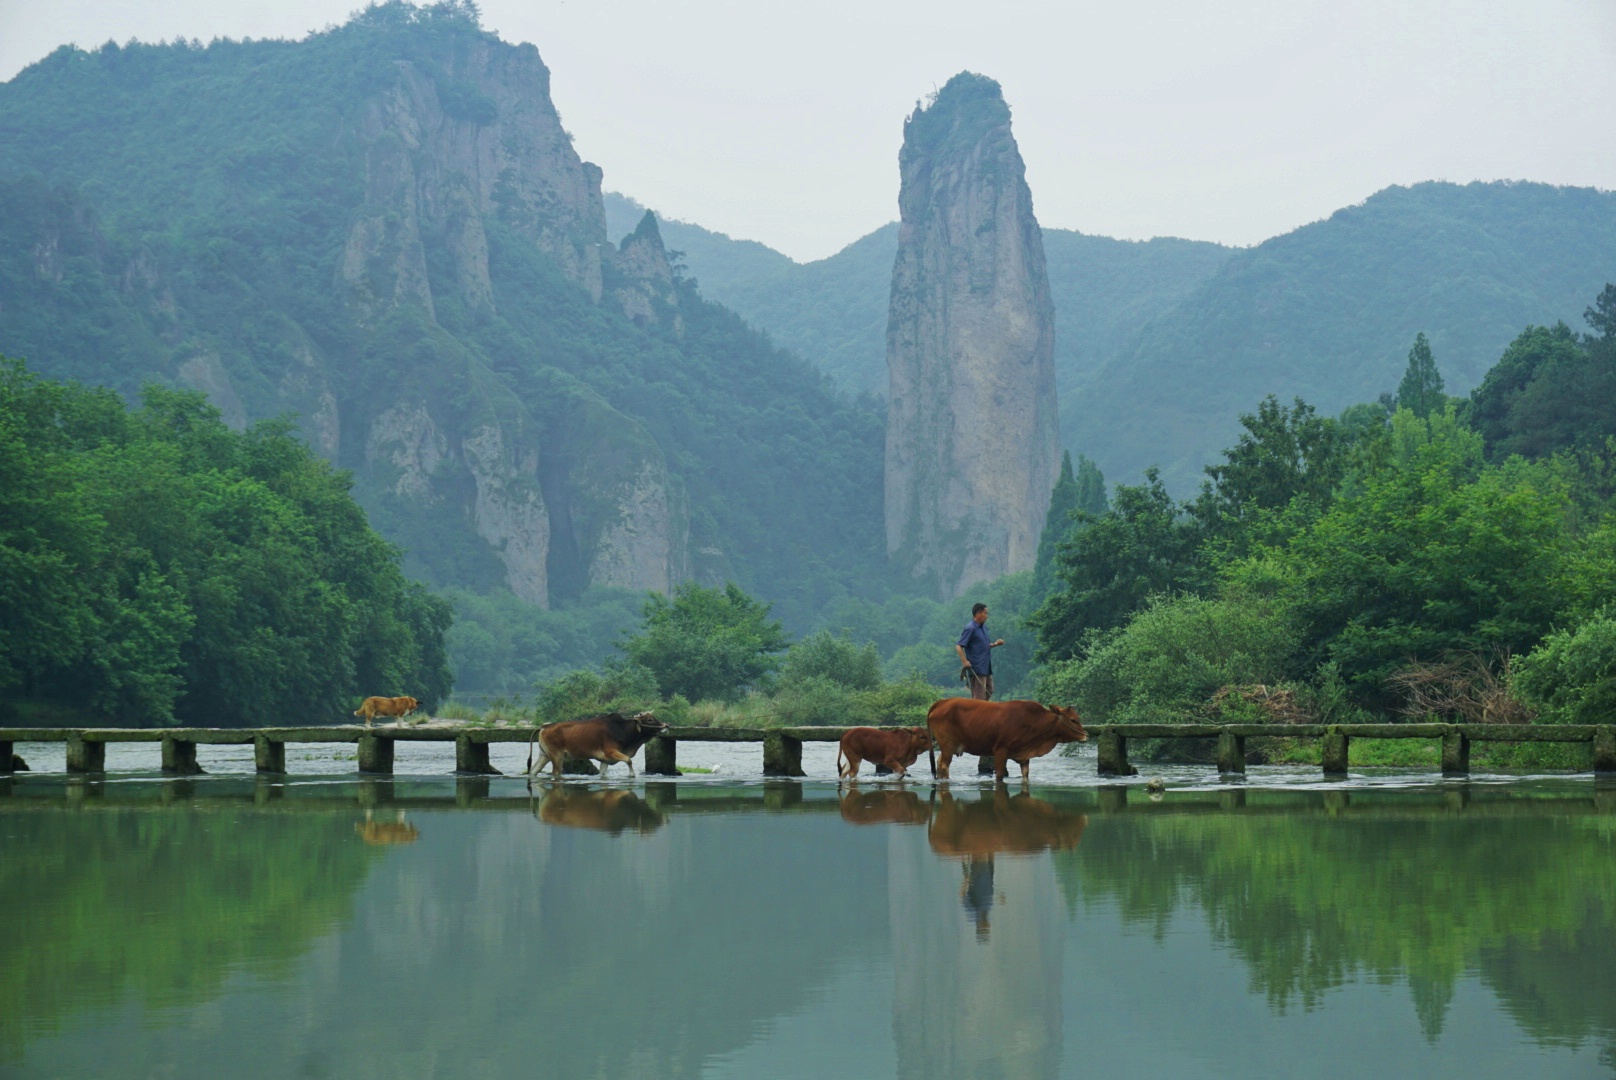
[{"x": 800, "y": 930}]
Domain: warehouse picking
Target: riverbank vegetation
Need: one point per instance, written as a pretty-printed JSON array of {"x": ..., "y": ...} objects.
[
  {"x": 1420, "y": 557},
  {"x": 713, "y": 657},
  {"x": 157, "y": 567}
]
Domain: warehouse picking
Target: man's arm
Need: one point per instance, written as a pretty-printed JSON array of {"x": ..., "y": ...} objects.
[
  {"x": 996, "y": 644},
  {"x": 961, "y": 650}
]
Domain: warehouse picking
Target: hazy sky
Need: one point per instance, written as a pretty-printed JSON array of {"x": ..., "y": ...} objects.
[{"x": 1228, "y": 121}]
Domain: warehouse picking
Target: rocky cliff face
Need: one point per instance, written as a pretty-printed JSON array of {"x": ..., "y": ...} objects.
[
  {"x": 471, "y": 133},
  {"x": 466, "y": 137},
  {"x": 642, "y": 278},
  {"x": 972, "y": 433}
]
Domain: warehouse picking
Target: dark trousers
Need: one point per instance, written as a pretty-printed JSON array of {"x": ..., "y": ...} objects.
[
  {"x": 981, "y": 687},
  {"x": 982, "y": 690}
]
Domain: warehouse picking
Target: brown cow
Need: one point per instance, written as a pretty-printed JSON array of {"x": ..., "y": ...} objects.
[
  {"x": 607, "y": 811},
  {"x": 386, "y": 706},
  {"x": 887, "y": 807},
  {"x": 1008, "y": 730},
  {"x": 607, "y": 738},
  {"x": 897, "y": 748}
]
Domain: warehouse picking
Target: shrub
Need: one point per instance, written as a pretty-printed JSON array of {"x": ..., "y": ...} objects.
[
  {"x": 706, "y": 643},
  {"x": 1571, "y": 676},
  {"x": 621, "y": 687},
  {"x": 825, "y": 655},
  {"x": 1169, "y": 659},
  {"x": 899, "y": 704},
  {"x": 818, "y": 699}
]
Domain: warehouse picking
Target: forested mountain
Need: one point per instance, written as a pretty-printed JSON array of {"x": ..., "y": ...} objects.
[
  {"x": 1328, "y": 313},
  {"x": 384, "y": 230}
]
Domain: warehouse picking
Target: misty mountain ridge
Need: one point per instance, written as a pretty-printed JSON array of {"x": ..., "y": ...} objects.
[{"x": 1160, "y": 345}]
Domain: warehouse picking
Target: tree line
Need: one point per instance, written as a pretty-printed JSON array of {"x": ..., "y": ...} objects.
[
  {"x": 157, "y": 567},
  {"x": 1417, "y": 555}
]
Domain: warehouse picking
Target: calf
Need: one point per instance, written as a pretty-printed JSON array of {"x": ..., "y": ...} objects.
[
  {"x": 607, "y": 738},
  {"x": 1009, "y": 730},
  {"x": 896, "y": 748}
]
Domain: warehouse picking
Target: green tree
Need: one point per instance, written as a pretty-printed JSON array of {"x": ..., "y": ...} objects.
[
  {"x": 1602, "y": 315},
  {"x": 1113, "y": 564},
  {"x": 1283, "y": 454},
  {"x": 156, "y": 566},
  {"x": 1436, "y": 554},
  {"x": 1571, "y": 676},
  {"x": 825, "y": 655},
  {"x": 1166, "y": 662},
  {"x": 706, "y": 643},
  {"x": 1421, "y": 389},
  {"x": 1080, "y": 491},
  {"x": 1551, "y": 390}
]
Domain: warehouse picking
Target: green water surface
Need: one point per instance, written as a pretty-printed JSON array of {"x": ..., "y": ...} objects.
[{"x": 435, "y": 928}]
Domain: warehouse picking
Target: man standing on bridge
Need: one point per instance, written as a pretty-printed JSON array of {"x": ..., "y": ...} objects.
[{"x": 976, "y": 653}]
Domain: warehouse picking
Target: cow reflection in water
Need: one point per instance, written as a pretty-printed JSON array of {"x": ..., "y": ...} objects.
[
  {"x": 397, "y": 831},
  {"x": 883, "y": 808},
  {"x": 977, "y": 831},
  {"x": 612, "y": 811},
  {"x": 979, "y": 945}
]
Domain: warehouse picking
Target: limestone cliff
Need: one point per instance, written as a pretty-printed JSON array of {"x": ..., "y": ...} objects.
[
  {"x": 471, "y": 132},
  {"x": 972, "y": 434},
  {"x": 457, "y": 140},
  {"x": 619, "y": 516},
  {"x": 642, "y": 277}
]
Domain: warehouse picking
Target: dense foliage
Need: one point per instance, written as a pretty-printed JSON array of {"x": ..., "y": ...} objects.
[
  {"x": 1552, "y": 389},
  {"x": 157, "y": 567},
  {"x": 712, "y": 655},
  {"x": 1355, "y": 560},
  {"x": 1078, "y": 496},
  {"x": 706, "y": 643}
]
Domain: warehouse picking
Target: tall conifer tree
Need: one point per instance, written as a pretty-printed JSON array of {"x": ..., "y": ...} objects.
[{"x": 1421, "y": 388}]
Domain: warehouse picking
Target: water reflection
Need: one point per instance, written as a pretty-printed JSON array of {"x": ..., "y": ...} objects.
[
  {"x": 397, "y": 831},
  {"x": 884, "y": 806},
  {"x": 153, "y": 904},
  {"x": 575, "y": 807},
  {"x": 980, "y": 995},
  {"x": 230, "y": 933}
]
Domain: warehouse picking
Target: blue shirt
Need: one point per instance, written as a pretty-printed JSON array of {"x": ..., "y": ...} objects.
[{"x": 978, "y": 649}]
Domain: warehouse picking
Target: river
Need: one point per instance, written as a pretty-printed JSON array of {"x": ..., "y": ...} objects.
[{"x": 724, "y": 926}]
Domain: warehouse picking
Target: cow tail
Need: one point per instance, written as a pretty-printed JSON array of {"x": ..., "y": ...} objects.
[
  {"x": 530, "y": 751},
  {"x": 931, "y": 744},
  {"x": 838, "y": 761}
]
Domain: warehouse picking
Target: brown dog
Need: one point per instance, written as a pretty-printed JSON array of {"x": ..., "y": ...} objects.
[{"x": 386, "y": 706}]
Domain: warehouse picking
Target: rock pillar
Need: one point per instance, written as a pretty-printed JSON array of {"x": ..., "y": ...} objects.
[{"x": 973, "y": 441}]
